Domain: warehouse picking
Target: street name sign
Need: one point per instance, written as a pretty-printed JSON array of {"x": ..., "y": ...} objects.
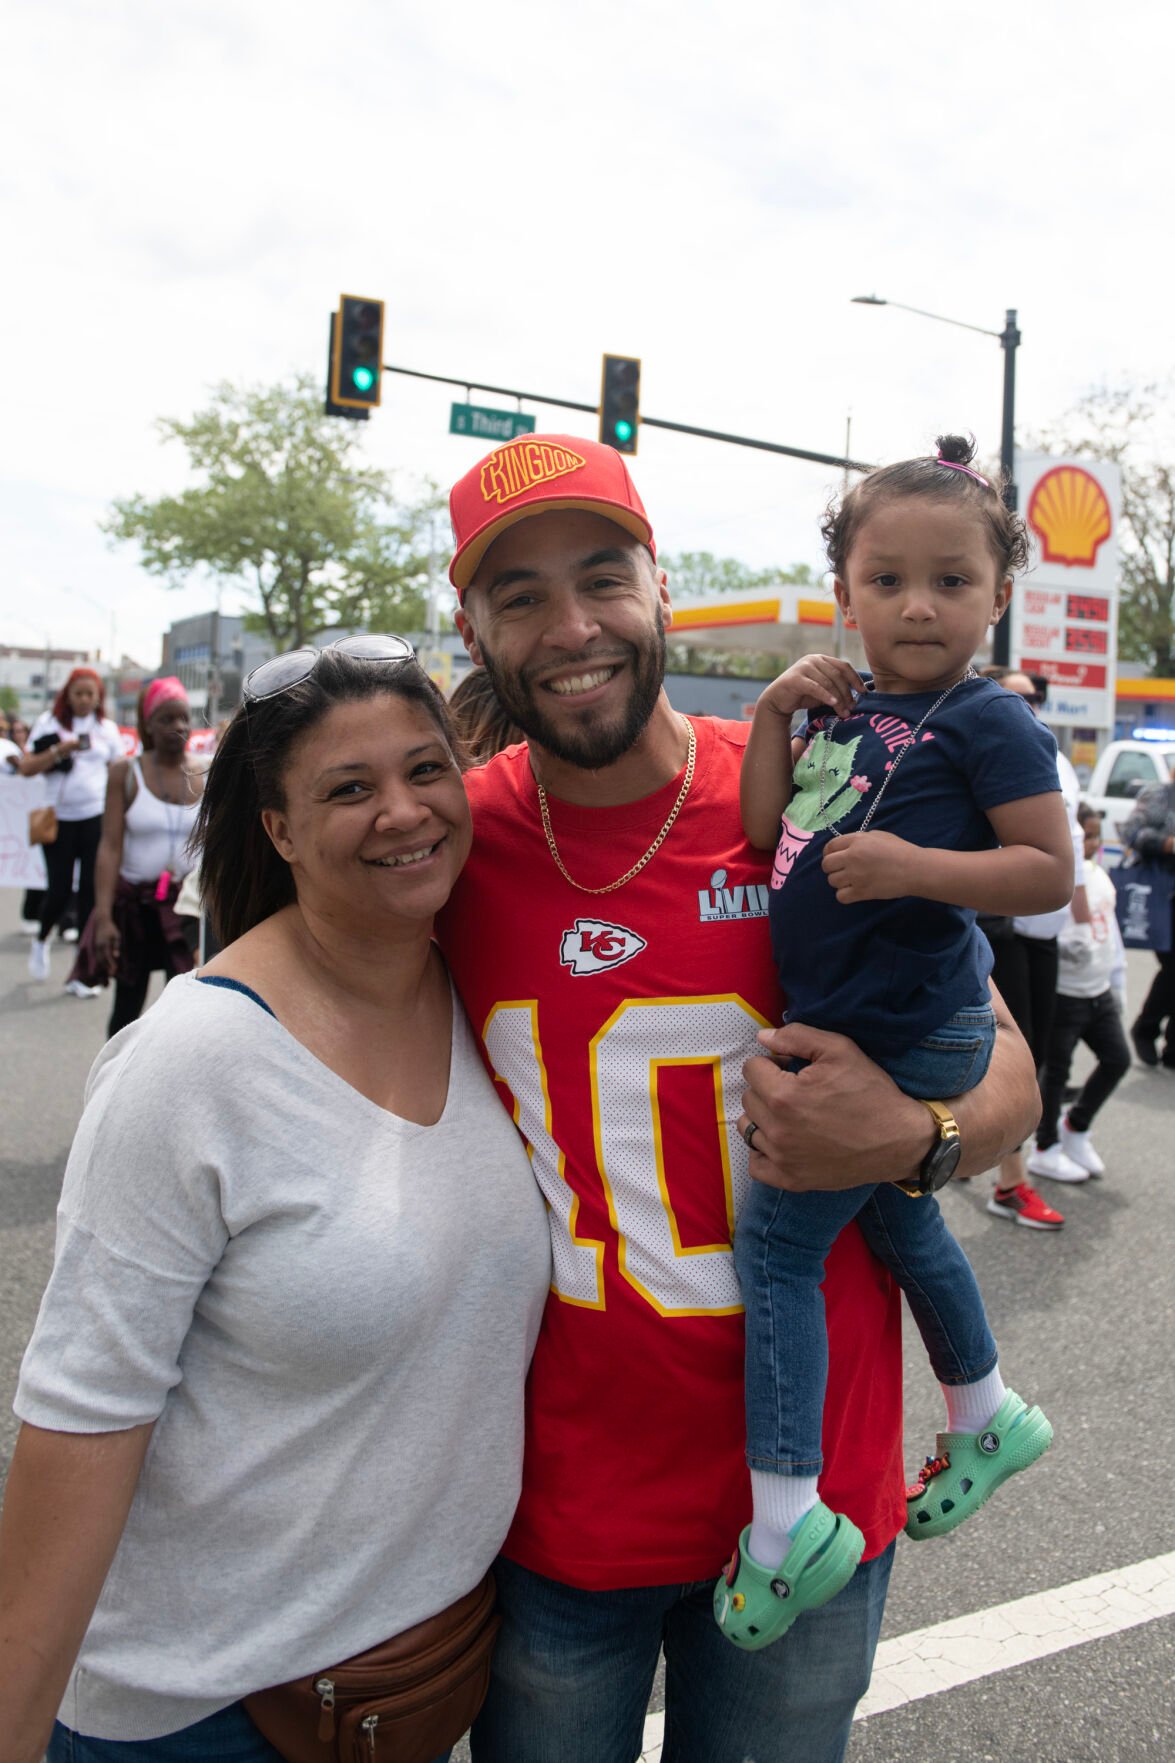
[{"x": 485, "y": 424}]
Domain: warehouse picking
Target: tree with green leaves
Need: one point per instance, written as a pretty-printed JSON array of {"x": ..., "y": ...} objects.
[
  {"x": 702, "y": 574},
  {"x": 1134, "y": 427},
  {"x": 285, "y": 506}
]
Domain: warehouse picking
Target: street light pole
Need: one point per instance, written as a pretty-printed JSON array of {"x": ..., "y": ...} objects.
[{"x": 1009, "y": 342}]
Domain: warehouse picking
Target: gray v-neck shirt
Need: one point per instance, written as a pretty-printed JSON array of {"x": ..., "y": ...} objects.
[{"x": 328, "y": 1312}]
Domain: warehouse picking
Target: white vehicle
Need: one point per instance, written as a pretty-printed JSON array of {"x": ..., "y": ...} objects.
[{"x": 1125, "y": 768}]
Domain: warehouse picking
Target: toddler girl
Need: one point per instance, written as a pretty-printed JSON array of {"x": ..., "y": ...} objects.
[{"x": 918, "y": 795}]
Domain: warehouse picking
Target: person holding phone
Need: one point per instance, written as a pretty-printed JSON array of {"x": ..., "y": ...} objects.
[{"x": 71, "y": 745}]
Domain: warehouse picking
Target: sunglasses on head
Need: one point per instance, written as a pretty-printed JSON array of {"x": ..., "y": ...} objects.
[
  {"x": 1035, "y": 698},
  {"x": 283, "y": 671}
]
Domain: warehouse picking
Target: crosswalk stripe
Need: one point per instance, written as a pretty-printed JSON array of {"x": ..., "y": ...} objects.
[{"x": 941, "y": 1657}]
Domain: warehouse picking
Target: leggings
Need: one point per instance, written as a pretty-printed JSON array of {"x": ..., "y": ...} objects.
[
  {"x": 131, "y": 995},
  {"x": 1096, "y": 1022},
  {"x": 76, "y": 842},
  {"x": 1159, "y": 1005},
  {"x": 1026, "y": 973}
]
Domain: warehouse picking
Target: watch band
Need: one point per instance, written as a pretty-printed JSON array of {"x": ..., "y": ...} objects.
[{"x": 948, "y": 1126}]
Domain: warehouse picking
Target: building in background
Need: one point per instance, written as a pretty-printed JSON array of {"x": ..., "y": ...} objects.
[
  {"x": 211, "y": 652},
  {"x": 123, "y": 685},
  {"x": 36, "y": 676},
  {"x": 1143, "y": 703}
]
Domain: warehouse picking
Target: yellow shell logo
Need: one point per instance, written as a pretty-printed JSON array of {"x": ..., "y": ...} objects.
[{"x": 1070, "y": 516}]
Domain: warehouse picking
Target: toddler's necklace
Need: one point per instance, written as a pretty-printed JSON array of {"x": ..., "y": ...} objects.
[
  {"x": 900, "y": 755},
  {"x": 653, "y": 848}
]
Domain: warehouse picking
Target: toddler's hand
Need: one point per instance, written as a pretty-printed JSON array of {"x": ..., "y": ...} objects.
[
  {"x": 870, "y": 866},
  {"x": 815, "y": 679}
]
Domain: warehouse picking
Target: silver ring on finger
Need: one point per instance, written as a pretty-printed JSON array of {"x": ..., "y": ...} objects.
[{"x": 749, "y": 1131}]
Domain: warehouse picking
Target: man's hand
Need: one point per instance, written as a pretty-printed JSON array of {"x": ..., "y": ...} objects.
[
  {"x": 871, "y": 866},
  {"x": 838, "y": 1123}
]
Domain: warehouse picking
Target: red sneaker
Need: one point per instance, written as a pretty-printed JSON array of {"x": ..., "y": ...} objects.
[{"x": 1023, "y": 1205}]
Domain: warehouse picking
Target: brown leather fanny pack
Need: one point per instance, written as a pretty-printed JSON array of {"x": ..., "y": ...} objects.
[{"x": 404, "y": 1701}]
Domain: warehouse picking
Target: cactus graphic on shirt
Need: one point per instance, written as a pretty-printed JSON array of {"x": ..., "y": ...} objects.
[{"x": 824, "y": 774}]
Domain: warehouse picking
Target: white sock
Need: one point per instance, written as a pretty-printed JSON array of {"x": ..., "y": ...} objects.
[
  {"x": 779, "y": 1502},
  {"x": 970, "y": 1406}
]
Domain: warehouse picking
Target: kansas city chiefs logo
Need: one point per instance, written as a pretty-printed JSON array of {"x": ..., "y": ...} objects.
[{"x": 593, "y": 946}]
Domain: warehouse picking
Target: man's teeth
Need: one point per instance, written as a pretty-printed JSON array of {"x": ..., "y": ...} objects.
[
  {"x": 403, "y": 861},
  {"x": 581, "y": 682}
]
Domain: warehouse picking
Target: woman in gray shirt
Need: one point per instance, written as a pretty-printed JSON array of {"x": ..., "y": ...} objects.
[{"x": 272, "y": 1405}]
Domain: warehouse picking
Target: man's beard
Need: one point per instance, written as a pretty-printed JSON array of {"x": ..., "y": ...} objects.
[{"x": 594, "y": 743}]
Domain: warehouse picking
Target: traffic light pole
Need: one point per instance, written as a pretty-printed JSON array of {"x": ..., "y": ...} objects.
[
  {"x": 652, "y": 422},
  {"x": 1001, "y": 642}
]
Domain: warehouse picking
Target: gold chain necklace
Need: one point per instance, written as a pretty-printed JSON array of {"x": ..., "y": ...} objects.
[{"x": 653, "y": 848}]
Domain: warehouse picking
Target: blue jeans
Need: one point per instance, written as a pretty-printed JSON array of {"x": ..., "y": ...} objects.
[
  {"x": 573, "y": 1672},
  {"x": 781, "y": 1245},
  {"x": 228, "y": 1735}
]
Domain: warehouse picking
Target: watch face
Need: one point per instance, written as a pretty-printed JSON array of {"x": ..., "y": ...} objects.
[{"x": 942, "y": 1164}]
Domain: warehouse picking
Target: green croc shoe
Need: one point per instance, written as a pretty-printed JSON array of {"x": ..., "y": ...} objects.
[
  {"x": 970, "y": 1466},
  {"x": 753, "y": 1606}
]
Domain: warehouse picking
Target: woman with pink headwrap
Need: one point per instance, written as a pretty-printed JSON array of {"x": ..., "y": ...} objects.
[{"x": 143, "y": 857}]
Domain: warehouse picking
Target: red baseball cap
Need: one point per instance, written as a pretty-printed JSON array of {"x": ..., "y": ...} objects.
[{"x": 535, "y": 474}]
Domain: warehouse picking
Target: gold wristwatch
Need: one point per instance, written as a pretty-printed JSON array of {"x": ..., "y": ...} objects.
[{"x": 942, "y": 1159}]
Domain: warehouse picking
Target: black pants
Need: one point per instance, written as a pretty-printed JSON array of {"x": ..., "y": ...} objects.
[
  {"x": 1026, "y": 973},
  {"x": 76, "y": 842},
  {"x": 1159, "y": 1005},
  {"x": 1095, "y": 1021},
  {"x": 130, "y": 996}
]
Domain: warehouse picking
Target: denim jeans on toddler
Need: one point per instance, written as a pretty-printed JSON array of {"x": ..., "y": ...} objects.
[{"x": 781, "y": 1245}]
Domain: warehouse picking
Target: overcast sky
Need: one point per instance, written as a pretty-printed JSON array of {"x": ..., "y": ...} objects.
[{"x": 187, "y": 188}]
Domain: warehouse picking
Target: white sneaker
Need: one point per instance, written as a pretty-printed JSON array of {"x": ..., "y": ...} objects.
[
  {"x": 1078, "y": 1149},
  {"x": 39, "y": 960},
  {"x": 70, "y": 934},
  {"x": 80, "y": 991},
  {"x": 1055, "y": 1165}
]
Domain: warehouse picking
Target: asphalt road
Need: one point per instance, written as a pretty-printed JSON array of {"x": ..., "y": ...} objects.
[{"x": 1084, "y": 1321}]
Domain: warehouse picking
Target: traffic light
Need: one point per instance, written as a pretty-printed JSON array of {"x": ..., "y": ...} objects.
[
  {"x": 331, "y": 408},
  {"x": 357, "y": 353},
  {"x": 620, "y": 402}
]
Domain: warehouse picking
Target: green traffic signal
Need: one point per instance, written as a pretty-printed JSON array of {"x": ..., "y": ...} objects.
[
  {"x": 357, "y": 353},
  {"x": 620, "y": 389}
]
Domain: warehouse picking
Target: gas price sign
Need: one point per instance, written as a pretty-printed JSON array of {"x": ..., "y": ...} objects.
[{"x": 1064, "y": 618}]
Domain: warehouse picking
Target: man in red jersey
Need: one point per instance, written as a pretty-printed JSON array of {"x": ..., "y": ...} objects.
[{"x": 609, "y": 939}]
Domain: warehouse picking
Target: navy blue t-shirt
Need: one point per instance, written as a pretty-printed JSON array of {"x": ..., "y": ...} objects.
[{"x": 889, "y": 972}]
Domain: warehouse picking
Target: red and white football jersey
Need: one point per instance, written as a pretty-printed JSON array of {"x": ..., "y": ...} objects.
[{"x": 616, "y": 1027}]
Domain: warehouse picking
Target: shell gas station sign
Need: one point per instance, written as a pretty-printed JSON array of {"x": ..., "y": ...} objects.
[{"x": 1065, "y": 611}]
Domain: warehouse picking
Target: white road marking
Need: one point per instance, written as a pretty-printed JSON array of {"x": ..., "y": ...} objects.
[{"x": 928, "y": 1661}]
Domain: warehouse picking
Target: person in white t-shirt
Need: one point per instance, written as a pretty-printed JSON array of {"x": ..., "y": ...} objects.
[
  {"x": 1091, "y": 1002},
  {"x": 72, "y": 746}
]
